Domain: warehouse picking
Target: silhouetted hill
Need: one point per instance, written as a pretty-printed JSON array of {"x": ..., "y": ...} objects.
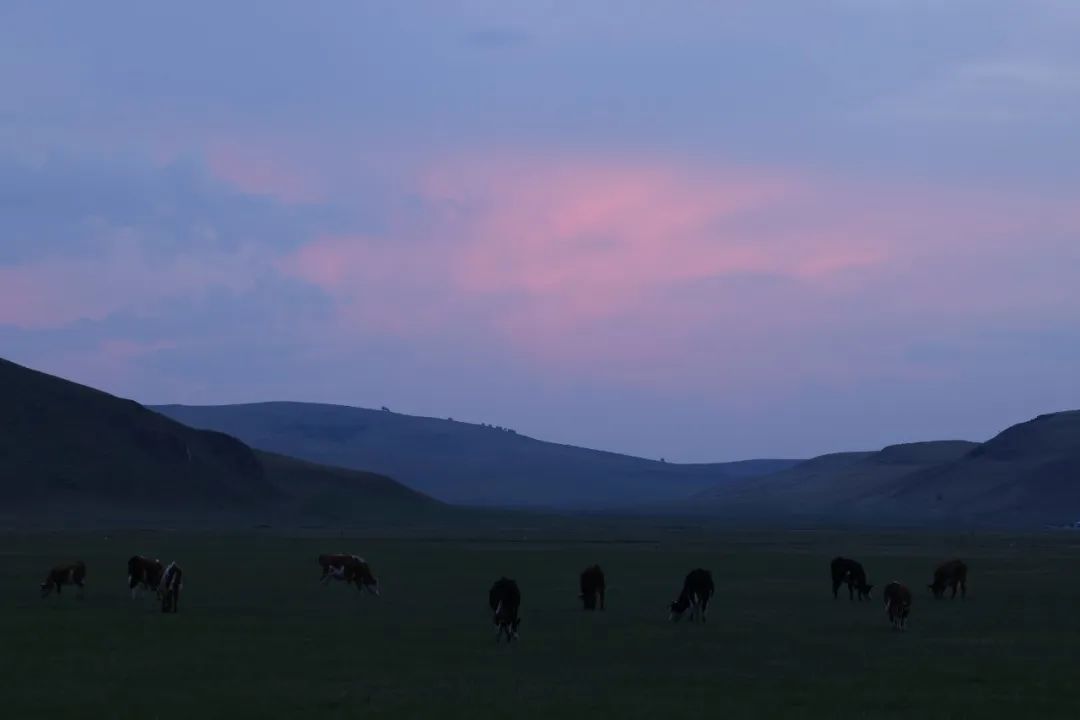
[
  {"x": 831, "y": 484},
  {"x": 1028, "y": 473},
  {"x": 463, "y": 462},
  {"x": 64, "y": 446}
]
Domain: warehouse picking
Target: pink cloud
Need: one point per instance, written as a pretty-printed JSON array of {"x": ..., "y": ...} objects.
[
  {"x": 265, "y": 168},
  {"x": 576, "y": 260},
  {"x": 556, "y": 243}
]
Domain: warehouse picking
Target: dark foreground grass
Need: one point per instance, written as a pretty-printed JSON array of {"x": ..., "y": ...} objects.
[{"x": 257, "y": 636}]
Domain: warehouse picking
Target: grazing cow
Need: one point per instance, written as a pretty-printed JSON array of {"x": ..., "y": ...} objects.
[
  {"x": 172, "y": 582},
  {"x": 696, "y": 592},
  {"x": 592, "y": 587},
  {"x": 73, "y": 574},
  {"x": 950, "y": 574},
  {"x": 504, "y": 599},
  {"x": 351, "y": 569},
  {"x": 846, "y": 570},
  {"x": 897, "y": 604},
  {"x": 143, "y": 573}
]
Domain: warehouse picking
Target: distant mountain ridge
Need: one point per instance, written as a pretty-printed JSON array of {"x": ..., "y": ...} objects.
[
  {"x": 1029, "y": 474},
  {"x": 68, "y": 452},
  {"x": 65, "y": 448},
  {"x": 830, "y": 482},
  {"x": 462, "y": 462}
]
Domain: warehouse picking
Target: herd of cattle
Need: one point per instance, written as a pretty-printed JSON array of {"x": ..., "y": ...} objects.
[
  {"x": 948, "y": 575},
  {"x": 504, "y": 598}
]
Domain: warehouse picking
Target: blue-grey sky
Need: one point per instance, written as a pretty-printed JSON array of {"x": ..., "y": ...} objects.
[{"x": 698, "y": 230}]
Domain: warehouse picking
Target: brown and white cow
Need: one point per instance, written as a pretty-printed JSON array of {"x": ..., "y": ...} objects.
[
  {"x": 897, "y": 604},
  {"x": 351, "y": 569},
  {"x": 144, "y": 573},
  {"x": 73, "y": 574},
  {"x": 172, "y": 582},
  {"x": 951, "y": 574}
]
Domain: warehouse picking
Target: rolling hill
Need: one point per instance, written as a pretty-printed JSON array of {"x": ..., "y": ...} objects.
[
  {"x": 1030, "y": 473},
  {"x": 68, "y": 450},
  {"x": 1026, "y": 476},
  {"x": 463, "y": 462},
  {"x": 831, "y": 484}
]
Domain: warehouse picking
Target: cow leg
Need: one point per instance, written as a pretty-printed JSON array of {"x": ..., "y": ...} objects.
[
  {"x": 601, "y": 599},
  {"x": 835, "y": 587},
  {"x": 850, "y": 589},
  {"x": 953, "y": 596}
]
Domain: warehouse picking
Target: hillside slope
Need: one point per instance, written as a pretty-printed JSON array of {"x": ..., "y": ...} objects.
[
  {"x": 463, "y": 462},
  {"x": 834, "y": 485},
  {"x": 1029, "y": 473},
  {"x": 64, "y": 446},
  {"x": 1026, "y": 476}
]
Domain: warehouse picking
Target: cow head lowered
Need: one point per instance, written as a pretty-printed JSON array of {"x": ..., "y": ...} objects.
[
  {"x": 696, "y": 592},
  {"x": 73, "y": 574},
  {"x": 350, "y": 569},
  {"x": 504, "y": 599}
]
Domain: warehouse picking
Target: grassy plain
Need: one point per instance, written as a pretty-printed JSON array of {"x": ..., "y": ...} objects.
[{"x": 258, "y": 637}]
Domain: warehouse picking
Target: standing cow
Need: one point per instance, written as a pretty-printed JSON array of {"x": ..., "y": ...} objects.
[
  {"x": 144, "y": 573},
  {"x": 504, "y": 599},
  {"x": 74, "y": 574},
  {"x": 592, "y": 587},
  {"x": 350, "y": 569},
  {"x": 897, "y": 604},
  {"x": 846, "y": 570},
  {"x": 172, "y": 582},
  {"x": 696, "y": 592},
  {"x": 951, "y": 574}
]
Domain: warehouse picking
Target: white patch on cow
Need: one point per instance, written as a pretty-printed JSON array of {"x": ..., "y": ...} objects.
[{"x": 169, "y": 576}]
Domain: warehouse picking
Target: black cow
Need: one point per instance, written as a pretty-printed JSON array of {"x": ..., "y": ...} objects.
[
  {"x": 696, "y": 592},
  {"x": 172, "y": 582},
  {"x": 144, "y": 573},
  {"x": 592, "y": 587},
  {"x": 846, "y": 570},
  {"x": 897, "y": 604},
  {"x": 504, "y": 599},
  {"x": 351, "y": 569},
  {"x": 950, "y": 574},
  {"x": 74, "y": 574}
]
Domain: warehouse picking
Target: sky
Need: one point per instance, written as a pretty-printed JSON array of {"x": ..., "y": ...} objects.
[{"x": 699, "y": 230}]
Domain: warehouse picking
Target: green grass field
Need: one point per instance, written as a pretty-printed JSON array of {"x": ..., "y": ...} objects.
[{"x": 257, "y": 636}]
